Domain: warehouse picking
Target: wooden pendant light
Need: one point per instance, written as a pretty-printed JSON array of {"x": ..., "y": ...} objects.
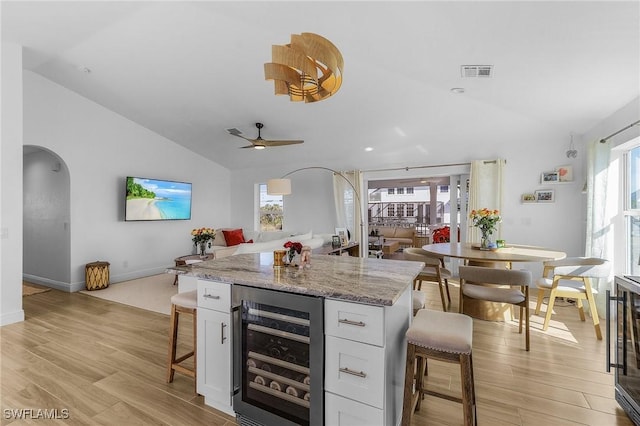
[{"x": 308, "y": 69}]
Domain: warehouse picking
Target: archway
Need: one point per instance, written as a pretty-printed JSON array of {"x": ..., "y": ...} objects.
[{"x": 46, "y": 214}]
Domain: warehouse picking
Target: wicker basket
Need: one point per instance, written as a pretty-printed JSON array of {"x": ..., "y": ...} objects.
[{"x": 97, "y": 275}]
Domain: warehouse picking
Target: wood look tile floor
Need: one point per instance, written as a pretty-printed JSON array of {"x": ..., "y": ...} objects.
[{"x": 105, "y": 363}]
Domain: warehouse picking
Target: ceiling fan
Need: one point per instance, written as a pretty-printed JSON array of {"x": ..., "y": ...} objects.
[{"x": 259, "y": 143}]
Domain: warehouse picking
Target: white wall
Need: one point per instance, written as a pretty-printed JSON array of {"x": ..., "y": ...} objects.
[
  {"x": 11, "y": 198},
  {"x": 101, "y": 148}
]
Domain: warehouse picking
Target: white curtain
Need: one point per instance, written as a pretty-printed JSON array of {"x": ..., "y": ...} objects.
[
  {"x": 348, "y": 202},
  {"x": 486, "y": 188},
  {"x": 600, "y": 213}
]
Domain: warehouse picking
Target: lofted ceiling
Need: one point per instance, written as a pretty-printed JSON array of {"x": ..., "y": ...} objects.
[{"x": 190, "y": 70}]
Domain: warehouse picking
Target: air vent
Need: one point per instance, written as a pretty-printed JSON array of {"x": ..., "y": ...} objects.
[{"x": 476, "y": 71}]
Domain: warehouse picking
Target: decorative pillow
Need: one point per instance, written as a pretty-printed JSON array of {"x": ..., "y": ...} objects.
[
  {"x": 233, "y": 237},
  {"x": 219, "y": 239}
]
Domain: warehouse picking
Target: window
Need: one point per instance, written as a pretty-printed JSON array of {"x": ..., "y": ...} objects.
[
  {"x": 271, "y": 210},
  {"x": 392, "y": 210},
  {"x": 444, "y": 188},
  {"x": 399, "y": 191},
  {"x": 391, "y": 191},
  {"x": 632, "y": 209},
  {"x": 409, "y": 190},
  {"x": 410, "y": 209},
  {"x": 400, "y": 210}
]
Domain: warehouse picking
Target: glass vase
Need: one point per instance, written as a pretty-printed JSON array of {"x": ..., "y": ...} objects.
[
  {"x": 485, "y": 240},
  {"x": 203, "y": 247}
]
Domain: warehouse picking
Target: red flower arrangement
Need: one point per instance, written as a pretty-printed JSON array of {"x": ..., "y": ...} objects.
[
  {"x": 293, "y": 247},
  {"x": 443, "y": 235}
]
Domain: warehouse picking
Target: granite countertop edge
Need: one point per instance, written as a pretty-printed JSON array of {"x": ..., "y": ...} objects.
[{"x": 393, "y": 278}]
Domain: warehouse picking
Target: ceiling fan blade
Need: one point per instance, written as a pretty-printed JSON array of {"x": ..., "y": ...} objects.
[
  {"x": 248, "y": 146},
  {"x": 280, "y": 143},
  {"x": 238, "y": 133}
]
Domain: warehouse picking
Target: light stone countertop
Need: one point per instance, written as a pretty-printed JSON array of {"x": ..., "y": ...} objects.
[{"x": 355, "y": 279}]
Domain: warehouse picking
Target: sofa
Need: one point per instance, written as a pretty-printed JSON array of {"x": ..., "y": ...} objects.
[
  {"x": 404, "y": 235},
  {"x": 258, "y": 242}
]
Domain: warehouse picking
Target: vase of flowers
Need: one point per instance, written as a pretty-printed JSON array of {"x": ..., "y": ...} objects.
[
  {"x": 202, "y": 238},
  {"x": 293, "y": 248},
  {"x": 486, "y": 220}
]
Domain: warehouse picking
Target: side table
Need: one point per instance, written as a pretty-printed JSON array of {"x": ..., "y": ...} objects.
[{"x": 189, "y": 259}]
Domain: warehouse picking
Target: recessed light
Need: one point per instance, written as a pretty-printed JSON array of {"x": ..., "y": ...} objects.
[
  {"x": 368, "y": 149},
  {"x": 423, "y": 181},
  {"x": 85, "y": 70},
  {"x": 457, "y": 90}
]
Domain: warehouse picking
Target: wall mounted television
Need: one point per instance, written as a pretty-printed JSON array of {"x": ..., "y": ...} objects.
[{"x": 155, "y": 199}]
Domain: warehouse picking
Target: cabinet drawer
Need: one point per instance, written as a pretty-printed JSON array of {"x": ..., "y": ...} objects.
[
  {"x": 362, "y": 323},
  {"x": 354, "y": 370},
  {"x": 339, "y": 411},
  {"x": 214, "y": 295}
]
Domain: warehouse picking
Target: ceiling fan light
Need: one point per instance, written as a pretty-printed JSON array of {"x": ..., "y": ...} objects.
[
  {"x": 308, "y": 69},
  {"x": 279, "y": 186},
  {"x": 258, "y": 146}
]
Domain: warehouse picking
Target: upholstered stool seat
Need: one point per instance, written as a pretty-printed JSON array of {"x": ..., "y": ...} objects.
[
  {"x": 443, "y": 336},
  {"x": 418, "y": 300},
  {"x": 182, "y": 303}
]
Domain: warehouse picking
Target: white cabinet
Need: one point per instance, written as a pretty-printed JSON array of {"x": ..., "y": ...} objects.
[
  {"x": 365, "y": 350},
  {"x": 214, "y": 352}
]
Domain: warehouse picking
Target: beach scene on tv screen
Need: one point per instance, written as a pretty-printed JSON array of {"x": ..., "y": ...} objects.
[{"x": 151, "y": 199}]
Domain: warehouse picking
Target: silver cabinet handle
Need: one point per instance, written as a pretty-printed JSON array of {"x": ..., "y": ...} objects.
[
  {"x": 356, "y": 323},
  {"x": 222, "y": 338},
  {"x": 354, "y": 373},
  {"x": 210, "y": 296}
]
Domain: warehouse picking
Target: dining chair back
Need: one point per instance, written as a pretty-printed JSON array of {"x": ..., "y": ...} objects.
[
  {"x": 434, "y": 271},
  {"x": 571, "y": 278},
  {"x": 498, "y": 285}
]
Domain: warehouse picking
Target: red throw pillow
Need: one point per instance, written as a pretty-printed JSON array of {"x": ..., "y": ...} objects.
[{"x": 233, "y": 237}]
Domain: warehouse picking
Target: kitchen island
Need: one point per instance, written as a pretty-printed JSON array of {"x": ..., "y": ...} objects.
[{"x": 366, "y": 310}]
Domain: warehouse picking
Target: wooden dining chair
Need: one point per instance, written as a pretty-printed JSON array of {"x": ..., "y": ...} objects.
[
  {"x": 571, "y": 278},
  {"x": 434, "y": 271},
  {"x": 497, "y": 285}
]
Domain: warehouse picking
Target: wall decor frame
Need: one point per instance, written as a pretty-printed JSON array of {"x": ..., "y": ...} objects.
[
  {"x": 550, "y": 177},
  {"x": 545, "y": 196},
  {"x": 565, "y": 173},
  {"x": 344, "y": 236},
  {"x": 528, "y": 198}
]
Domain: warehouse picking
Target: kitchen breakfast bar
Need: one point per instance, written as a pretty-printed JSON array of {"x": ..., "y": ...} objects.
[{"x": 321, "y": 345}]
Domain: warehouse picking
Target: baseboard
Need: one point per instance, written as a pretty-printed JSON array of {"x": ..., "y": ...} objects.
[
  {"x": 73, "y": 287},
  {"x": 58, "y": 285},
  {"x": 12, "y": 317},
  {"x": 138, "y": 274}
]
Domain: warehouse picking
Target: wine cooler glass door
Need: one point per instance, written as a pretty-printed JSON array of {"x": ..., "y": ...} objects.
[{"x": 277, "y": 374}]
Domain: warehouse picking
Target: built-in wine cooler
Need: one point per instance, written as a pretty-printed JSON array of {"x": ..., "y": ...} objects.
[{"x": 278, "y": 357}]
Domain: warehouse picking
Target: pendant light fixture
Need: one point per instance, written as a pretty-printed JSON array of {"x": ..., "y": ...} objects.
[{"x": 308, "y": 69}]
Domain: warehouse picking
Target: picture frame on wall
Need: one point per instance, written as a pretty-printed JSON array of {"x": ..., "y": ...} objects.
[
  {"x": 344, "y": 236},
  {"x": 528, "y": 198},
  {"x": 550, "y": 177},
  {"x": 565, "y": 173},
  {"x": 545, "y": 196}
]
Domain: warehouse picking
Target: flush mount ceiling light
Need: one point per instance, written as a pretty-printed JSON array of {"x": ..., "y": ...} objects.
[{"x": 308, "y": 69}]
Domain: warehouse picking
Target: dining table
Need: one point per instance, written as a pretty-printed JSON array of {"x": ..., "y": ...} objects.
[{"x": 505, "y": 256}]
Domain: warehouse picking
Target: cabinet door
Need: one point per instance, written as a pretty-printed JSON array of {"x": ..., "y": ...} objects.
[
  {"x": 339, "y": 411},
  {"x": 214, "y": 370}
]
